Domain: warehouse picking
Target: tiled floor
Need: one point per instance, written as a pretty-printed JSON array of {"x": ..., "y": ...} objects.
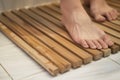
[
  {"x": 16, "y": 65},
  {"x": 3, "y": 74}
]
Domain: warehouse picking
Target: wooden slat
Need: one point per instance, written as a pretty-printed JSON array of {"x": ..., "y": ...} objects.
[
  {"x": 117, "y": 22},
  {"x": 55, "y": 8},
  {"x": 106, "y": 52},
  {"x": 115, "y": 49},
  {"x": 44, "y": 62},
  {"x": 74, "y": 60},
  {"x": 111, "y": 25},
  {"x": 43, "y": 49},
  {"x": 50, "y": 12},
  {"x": 47, "y": 16},
  {"x": 79, "y": 52},
  {"x": 112, "y": 3}
]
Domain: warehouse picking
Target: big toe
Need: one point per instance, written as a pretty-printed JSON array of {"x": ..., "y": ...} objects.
[
  {"x": 99, "y": 18},
  {"x": 83, "y": 43}
]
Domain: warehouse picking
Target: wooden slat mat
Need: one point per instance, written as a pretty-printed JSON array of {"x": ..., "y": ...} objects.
[{"x": 39, "y": 32}]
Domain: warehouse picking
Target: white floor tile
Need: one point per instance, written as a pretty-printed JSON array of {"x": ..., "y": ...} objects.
[
  {"x": 104, "y": 69},
  {"x": 9, "y": 50},
  {"x": 116, "y": 57},
  {"x": 17, "y": 63},
  {"x": 4, "y": 40},
  {"x": 3, "y": 74}
]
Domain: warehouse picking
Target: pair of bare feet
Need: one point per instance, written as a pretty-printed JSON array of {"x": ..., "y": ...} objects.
[{"x": 81, "y": 28}]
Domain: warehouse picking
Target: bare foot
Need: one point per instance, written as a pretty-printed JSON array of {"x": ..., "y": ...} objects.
[
  {"x": 81, "y": 28},
  {"x": 101, "y": 11}
]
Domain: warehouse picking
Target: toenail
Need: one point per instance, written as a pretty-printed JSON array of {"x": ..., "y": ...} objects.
[
  {"x": 85, "y": 46},
  {"x": 93, "y": 47}
]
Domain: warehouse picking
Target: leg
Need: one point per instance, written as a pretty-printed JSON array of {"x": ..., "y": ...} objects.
[
  {"x": 101, "y": 11},
  {"x": 80, "y": 27}
]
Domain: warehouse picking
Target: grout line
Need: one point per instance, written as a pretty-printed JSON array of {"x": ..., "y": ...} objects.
[
  {"x": 7, "y": 72},
  {"x": 114, "y": 61}
]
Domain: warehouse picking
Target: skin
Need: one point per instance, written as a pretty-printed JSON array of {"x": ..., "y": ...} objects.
[
  {"x": 101, "y": 11},
  {"x": 81, "y": 28}
]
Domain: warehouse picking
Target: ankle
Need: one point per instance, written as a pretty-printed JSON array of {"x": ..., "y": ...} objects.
[{"x": 70, "y": 5}]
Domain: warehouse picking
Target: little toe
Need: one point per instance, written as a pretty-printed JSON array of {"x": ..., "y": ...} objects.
[
  {"x": 116, "y": 12},
  {"x": 109, "y": 17},
  {"x": 110, "y": 43},
  {"x": 91, "y": 44},
  {"x": 103, "y": 44},
  {"x": 98, "y": 45},
  {"x": 83, "y": 43},
  {"x": 113, "y": 15},
  {"x": 99, "y": 18}
]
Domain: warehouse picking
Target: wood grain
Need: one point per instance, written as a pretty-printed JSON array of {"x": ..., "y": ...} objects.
[
  {"x": 75, "y": 61},
  {"x": 44, "y": 62},
  {"x": 43, "y": 49}
]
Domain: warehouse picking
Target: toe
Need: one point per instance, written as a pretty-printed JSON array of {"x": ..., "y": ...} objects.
[
  {"x": 98, "y": 45},
  {"x": 116, "y": 12},
  {"x": 83, "y": 43},
  {"x": 103, "y": 44},
  {"x": 91, "y": 44},
  {"x": 109, "y": 17},
  {"x": 107, "y": 40},
  {"x": 113, "y": 14},
  {"x": 99, "y": 18}
]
